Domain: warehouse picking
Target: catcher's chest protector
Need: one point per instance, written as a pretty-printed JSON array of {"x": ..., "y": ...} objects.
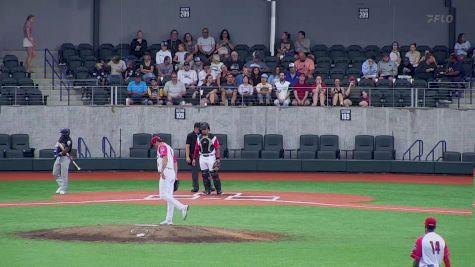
[{"x": 207, "y": 144}]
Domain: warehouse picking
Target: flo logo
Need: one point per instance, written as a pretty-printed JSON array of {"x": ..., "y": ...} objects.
[{"x": 443, "y": 19}]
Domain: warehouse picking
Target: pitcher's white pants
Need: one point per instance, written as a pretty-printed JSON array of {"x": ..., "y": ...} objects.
[{"x": 166, "y": 193}]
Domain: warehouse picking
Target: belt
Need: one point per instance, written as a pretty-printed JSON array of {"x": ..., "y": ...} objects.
[{"x": 207, "y": 155}]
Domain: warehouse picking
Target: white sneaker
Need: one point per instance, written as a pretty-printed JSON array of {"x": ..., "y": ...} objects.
[
  {"x": 59, "y": 189},
  {"x": 166, "y": 223},
  {"x": 62, "y": 192},
  {"x": 184, "y": 211}
]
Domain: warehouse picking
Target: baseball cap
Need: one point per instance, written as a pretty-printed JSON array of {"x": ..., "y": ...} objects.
[
  {"x": 153, "y": 79},
  {"x": 264, "y": 75},
  {"x": 164, "y": 43},
  {"x": 197, "y": 59},
  {"x": 430, "y": 221},
  {"x": 291, "y": 65},
  {"x": 156, "y": 139},
  {"x": 137, "y": 75},
  {"x": 186, "y": 63}
]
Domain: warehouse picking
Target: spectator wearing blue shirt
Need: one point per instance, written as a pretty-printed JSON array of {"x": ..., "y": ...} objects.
[
  {"x": 292, "y": 76},
  {"x": 137, "y": 91},
  {"x": 369, "y": 69}
]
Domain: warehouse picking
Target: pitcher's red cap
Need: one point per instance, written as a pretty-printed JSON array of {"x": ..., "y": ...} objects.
[{"x": 430, "y": 221}]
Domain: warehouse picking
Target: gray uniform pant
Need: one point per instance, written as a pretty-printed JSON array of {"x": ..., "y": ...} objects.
[{"x": 60, "y": 171}]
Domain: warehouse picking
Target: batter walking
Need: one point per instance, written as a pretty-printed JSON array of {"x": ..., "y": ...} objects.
[
  {"x": 430, "y": 249},
  {"x": 167, "y": 167},
  {"x": 61, "y": 164},
  {"x": 207, "y": 147}
]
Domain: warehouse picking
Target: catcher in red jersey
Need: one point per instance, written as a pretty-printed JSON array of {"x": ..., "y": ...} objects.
[{"x": 207, "y": 148}]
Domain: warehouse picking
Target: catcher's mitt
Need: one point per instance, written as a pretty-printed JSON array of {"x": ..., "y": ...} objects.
[
  {"x": 176, "y": 184},
  {"x": 217, "y": 165}
]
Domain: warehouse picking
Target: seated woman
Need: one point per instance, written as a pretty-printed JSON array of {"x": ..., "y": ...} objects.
[
  {"x": 340, "y": 95},
  {"x": 224, "y": 45},
  {"x": 138, "y": 46},
  {"x": 319, "y": 92},
  {"x": 246, "y": 91},
  {"x": 209, "y": 91},
  {"x": 364, "y": 99},
  {"x": 155, "y": 93},
  {"x": 301, "y": 92},
  {"x": 284, "y": 47},
  {"x": 147, "y": 68}
]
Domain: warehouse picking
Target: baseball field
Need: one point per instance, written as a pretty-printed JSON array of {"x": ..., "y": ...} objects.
[{"x": 318, "y": 219}]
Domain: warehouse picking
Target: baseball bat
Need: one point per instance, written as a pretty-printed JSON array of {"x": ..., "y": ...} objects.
[{"x": 69, "y": 156}]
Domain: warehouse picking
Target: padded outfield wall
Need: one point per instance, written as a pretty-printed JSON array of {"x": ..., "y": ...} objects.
[{"x": 457, "y": 127}]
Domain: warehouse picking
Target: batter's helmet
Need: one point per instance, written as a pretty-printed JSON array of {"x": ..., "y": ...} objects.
[
  {"x": 156, "y": 139},
  {"x": 65, "y": 131},
  {"x": 204, "y": 125}
]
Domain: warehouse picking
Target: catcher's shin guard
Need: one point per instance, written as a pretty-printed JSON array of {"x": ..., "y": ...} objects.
[
  {"x": 216, "y": 181},
  {"x": 206, "y": 181}
]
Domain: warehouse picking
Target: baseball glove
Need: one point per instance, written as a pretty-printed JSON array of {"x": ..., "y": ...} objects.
[
  {"x": 176, "y": 184},
  {"x": 217, "y": 165}
]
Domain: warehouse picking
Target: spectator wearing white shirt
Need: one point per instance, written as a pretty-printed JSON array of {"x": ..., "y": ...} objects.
[
  {"x": 216, "y": 67},
  {"x": 395, "y": 55},
  {"x": 206, "y": 43},
  {"x": 246, "y": 91},
  {"x": 413, "y": 55},
  {"x": 190, "y": 79},
  {"x": 117, "y": 67},
  {"x": 282, "y": 91},
  {"x": 462, "y": 46},
  {"x": 162, "y": 53},
  {"x": 179, "y": 57}
]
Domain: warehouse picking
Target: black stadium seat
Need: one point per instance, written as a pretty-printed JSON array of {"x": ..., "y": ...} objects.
[
  {"x": 364, "y": 146},
  {"x": 451, "y": 156},
  {"x": 4, "y": 144},
  {"x": 252, "y": 146},
  {"x": 273, "y": 146},
  {"x": 468, "y": 157},
  {"x": 140, "y": 145},
  {"x": 223, "y": 143},
  {"x": 309, "y": 145},
  {"x": 329, "y": 147},
  {"x": 384, "y": 147},
  {"x": 21, "y": 142}
]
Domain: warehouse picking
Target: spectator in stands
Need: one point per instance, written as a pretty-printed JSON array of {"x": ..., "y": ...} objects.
[
  {"x": 428, "y": 54},
  {"x": 282, "y": 91},
  {"x": 100, "y": 74},
  {"x": 179, "y": 57},
  {"x": 301, "y": 92},
  {"x": 406, "y": 68},
  {"x": 162, "y": 53},
  {"x": 137, "y": 91},
  {"x": 292, "y": 76},
  {"x": 234, "y": 60},
  {"x": 340, "y": 95},
  {"x": 206, "y": 44},
  {"x": 246, "y": 91},
  {"x": 197, "y": 65},
  {"x": 284, "y": 47},
  {"x": 264, "y": 90},
  {"x": 129, "y": 71},
  {"x": 274, "y": 77},
  {"x": 174, "y": 91},
  {"x": 224, "y": 45},
  {"x": 395, "y": 55},
  {"x": 202, "y": 75},
  {"x": 189, "y": 58},
  {"x": 256, "y": 76},
  {"x": 165, "y": 69},
  {"x": 190, "y": 44},
  {"x": 413, "y": 55},
  {"x": 222, "y": 75},
  {"x": 117, "y": 67},
  {"x": 209, "y": 91},
  {"x": 426, "y": 69},
  {"x": 155, "y": 94},
  {"x": 216, "y": 65},
  {"x": 138, "y": 46},
  {"x": 257, "y": 62},
  {"x": 369, "y": 69},
  {"x": 228, "y": 89},
  {"x": 462, "y": 46},
  {"x": 234, "y": 70},
  {"x": 387, "y": 68},
  {"x": 187, "y": 76},
  {"x": 304, "y": 65},
  {"x": 240, "y": 77},
  {"x": 147, "y": 68},
  {"x": 28, "y": 42},
  {"x": 302, "y": 44},
  {"x": 173, "y": 42},
  {"x": 364, "y": 99},
  {"x": 454, "y": 70},
  {"x": 319, "y": 92}
]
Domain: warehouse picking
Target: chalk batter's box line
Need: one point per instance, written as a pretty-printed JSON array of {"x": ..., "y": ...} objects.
[{"x": 185, "y": 197}]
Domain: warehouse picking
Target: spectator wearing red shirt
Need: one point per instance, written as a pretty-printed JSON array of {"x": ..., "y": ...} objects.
[
  {"x": 319, "y": 92},
  {"x": 301, "y": 92}
]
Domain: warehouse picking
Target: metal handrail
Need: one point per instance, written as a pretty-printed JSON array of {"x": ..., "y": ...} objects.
[
  {"x": 105, "y": 142},
  {"x": 420, "y": 146},
  {"x": 81, "y": 143},
  {"x": 441, "y": 143},
  {"x": 53, "y": 63}
]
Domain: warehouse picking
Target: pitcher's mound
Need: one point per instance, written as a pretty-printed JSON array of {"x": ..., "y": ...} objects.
[{"x": 150, "y": 233}]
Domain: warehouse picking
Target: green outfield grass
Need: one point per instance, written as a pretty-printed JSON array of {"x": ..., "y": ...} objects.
[{"x": 316, "y": 236}]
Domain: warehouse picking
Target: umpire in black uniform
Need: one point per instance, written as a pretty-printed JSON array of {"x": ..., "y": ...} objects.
[{"x": 189, "y": 150}]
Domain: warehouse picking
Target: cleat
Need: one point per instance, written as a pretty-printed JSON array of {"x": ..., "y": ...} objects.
[
  {"x": 207, "y": 192},
  {"x": 62, "y": 192},
  {"x": 194, "y": 190},
  {"x": 219, "y": 193},
  {"x": 184, "y": 211},
  {"x": 166, "y": 223}
]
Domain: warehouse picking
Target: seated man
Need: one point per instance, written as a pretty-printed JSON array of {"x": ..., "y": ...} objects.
[
  {"x": 304, "y": 65},
  {"x": 189, "y": 78},
  {"x": 369, "y": 69},
  {"x": 282, "y": 91},
  {"x": 257, "y": 62},
  {"x": 174, "y": 91},
  {"x": 292, "y": 76},
  {"x": 405, "y": 70},
  {"x": 301, "y": 92},
  {"x": 229, "y": 89},
  {"x": 234, "y": 60},
  {"x": 137, "y": 91},
  {"x": 387, "y": 68},
  {"x": 154, "y": 93},
  {"x": 302, "y": 44},
  {"x": 165, "y": 69},
  {"x": 454, "y": 70},
  {"x": 264, "y": 90}
]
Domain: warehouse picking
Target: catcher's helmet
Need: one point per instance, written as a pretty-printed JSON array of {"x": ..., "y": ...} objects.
[
  {"x": 156, "y": 139},
  {"x": 65, "y": 131},
  {"x": 204, "y": 126}
]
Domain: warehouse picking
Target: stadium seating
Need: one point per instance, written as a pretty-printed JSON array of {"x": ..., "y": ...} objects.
[
  {"x": 4, "y": 144},
  {"x": 468, "y": 157},
  {"x": 329, "y": 147},
  {"x": 309, "y": 145},
  {"x": 364, "y": 147},
  {"x": 253, "y": 144},
  {"x": 21, "y": 142},
  {"x": 451, "y": 156},
  {"x": 273, "y": 146},
  {"x": 140, "y": 145},
  {"x": 384, "y": 147}
]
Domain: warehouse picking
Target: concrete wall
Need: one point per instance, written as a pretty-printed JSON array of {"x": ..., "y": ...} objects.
[{"x": 91, "y": 123}]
